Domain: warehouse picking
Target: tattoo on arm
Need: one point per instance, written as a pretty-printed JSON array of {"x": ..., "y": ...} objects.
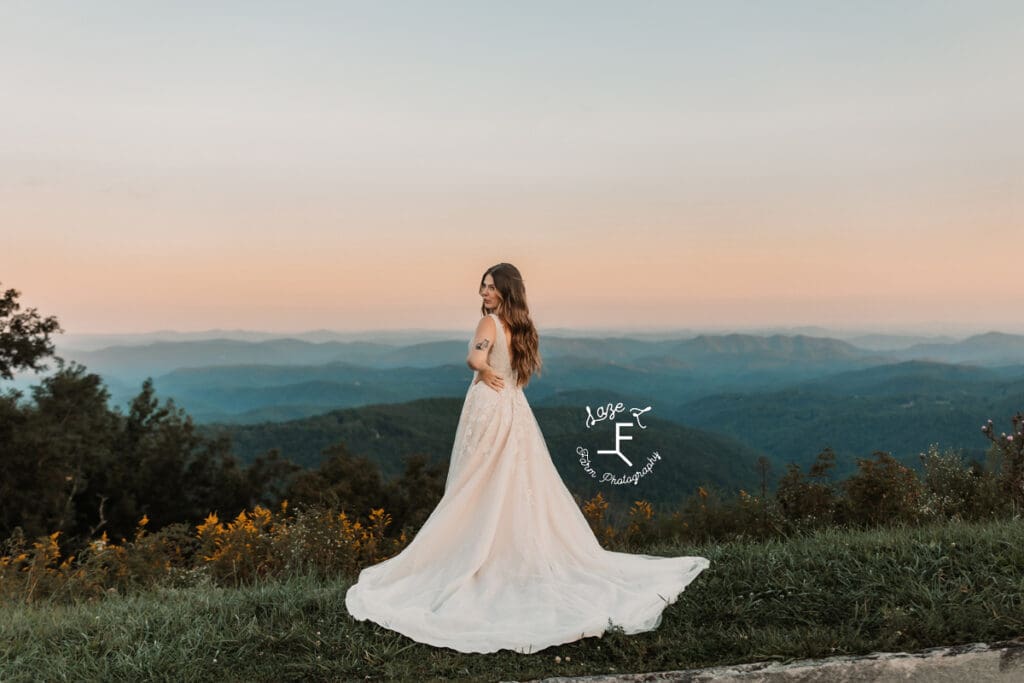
[{"x": 482, "y": 344}]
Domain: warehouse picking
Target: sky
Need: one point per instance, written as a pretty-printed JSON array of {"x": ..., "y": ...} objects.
[{"x": 295, "y": 166}]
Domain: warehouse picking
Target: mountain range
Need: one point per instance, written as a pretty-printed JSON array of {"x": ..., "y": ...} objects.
[{"x": 782, "y": 396}]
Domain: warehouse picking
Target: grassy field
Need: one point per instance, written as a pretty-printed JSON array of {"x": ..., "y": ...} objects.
[{"x": 834, "y": 592}]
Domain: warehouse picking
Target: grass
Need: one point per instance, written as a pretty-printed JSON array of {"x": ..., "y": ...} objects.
[{"x": 833, "y": 592}]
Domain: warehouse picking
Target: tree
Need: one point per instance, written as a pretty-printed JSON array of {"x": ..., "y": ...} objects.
[
  {"x": 342, "y": 481},
  {"x": 1010, "y": 455},
  {"x": 413, "y": 496},
  {"x": 884, "y": 490},
  {"x": 24, "y": 337},
  {"x": 811, "y": 498},
  {"x": 163, "y": 468},
  {"x": 764, "y": 466},
  {"x": 269, "y": 475},
  {"x": 70, "y": 463},
  {"x": 51, "y": 450}
]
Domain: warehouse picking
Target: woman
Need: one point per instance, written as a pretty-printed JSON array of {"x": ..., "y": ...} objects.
[{"x": 507, "y": 560}]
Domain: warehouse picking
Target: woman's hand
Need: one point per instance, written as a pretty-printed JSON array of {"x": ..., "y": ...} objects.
[{"x": 491, "y": 378}]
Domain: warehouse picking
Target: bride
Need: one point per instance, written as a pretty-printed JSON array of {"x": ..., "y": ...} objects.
[{"x": 507, "y": 560}]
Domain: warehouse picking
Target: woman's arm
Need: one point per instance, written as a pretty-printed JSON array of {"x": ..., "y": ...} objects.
[{"x": 483, "y": 341}]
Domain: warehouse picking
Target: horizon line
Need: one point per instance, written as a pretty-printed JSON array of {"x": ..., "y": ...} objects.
[{"x": 968, "y": 329}]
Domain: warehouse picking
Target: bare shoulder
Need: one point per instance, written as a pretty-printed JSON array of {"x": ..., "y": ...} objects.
[{"x": 486, "y": 325}]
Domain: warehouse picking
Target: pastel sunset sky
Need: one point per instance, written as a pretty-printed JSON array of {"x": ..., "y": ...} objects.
[{"x": 294, "y": 166}]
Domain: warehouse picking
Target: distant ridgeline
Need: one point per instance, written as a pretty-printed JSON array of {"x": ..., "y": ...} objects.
[{"x": 786, "y": 397}]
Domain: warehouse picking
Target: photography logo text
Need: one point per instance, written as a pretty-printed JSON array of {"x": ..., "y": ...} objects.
[{"x": 614, "y": 461}]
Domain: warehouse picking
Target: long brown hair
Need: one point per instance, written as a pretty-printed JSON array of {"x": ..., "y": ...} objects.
[{"x": 523, "y": 340}]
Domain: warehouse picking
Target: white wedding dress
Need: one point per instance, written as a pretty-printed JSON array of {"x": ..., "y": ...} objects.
[{"x": 507, "y": 560}]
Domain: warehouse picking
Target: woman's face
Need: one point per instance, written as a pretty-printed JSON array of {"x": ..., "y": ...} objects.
[{"x": 489, "y": 293}]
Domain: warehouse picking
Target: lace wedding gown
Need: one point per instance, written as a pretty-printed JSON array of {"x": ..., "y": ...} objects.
[{"x": 507, "y": 560}]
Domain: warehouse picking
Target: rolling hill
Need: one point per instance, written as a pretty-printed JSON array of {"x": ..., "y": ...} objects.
[
  {"x": 385, "y": 433},
  {"x": 900, "y": 408}
]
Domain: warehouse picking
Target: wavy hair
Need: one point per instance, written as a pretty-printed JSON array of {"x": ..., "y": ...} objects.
[{"x": 523, "y": 340}]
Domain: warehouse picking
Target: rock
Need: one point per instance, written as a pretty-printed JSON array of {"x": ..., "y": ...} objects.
[{"x": 973, "y": 663}]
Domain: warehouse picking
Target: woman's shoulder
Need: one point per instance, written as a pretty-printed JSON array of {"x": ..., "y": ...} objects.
[{"x": 487, "y": 323}]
